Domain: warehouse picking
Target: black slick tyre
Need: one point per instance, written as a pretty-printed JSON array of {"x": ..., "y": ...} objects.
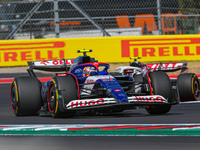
[
  {"x": 188, "y": 86},
  {"x": 161, "y": 86},
  {"x": 25, "y": 96},
  {"x": 62, "y": 89}
]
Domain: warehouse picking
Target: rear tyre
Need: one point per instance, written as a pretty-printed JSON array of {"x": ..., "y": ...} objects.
[
  {"x": 188, "y": 86},
  {"x": 61, "y": 91},
  {"x": 25, "y": 96},
  {"x": 161, "y": 86}
]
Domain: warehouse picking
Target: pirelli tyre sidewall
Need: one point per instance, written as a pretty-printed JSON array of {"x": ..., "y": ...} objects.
[
  {"x": 14, "y": 98},
  {"x": 161, "y": 85},
  {"x": 188, "y": 85},
  {"x": 62, "y": 89},
  {"x": 25, "y": 96}
]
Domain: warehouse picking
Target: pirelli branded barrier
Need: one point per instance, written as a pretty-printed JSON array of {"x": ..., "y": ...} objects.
[{"x": 105, "y": 49}]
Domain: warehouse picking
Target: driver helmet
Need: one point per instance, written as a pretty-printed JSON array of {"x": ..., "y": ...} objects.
[
  {"x": 87, "y": 71},
  {"x": 136, "y": 64}
]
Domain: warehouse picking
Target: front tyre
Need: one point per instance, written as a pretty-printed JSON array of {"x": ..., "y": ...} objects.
[
  {"x": 25, "y": 96},
  {"x": 62, "y": 90},
  {"x": 188, "y": 86},
  {"x": 161, "y": 86}
]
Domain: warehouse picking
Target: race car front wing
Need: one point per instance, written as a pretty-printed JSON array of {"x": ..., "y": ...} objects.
[{"x": 92, "y": 103}]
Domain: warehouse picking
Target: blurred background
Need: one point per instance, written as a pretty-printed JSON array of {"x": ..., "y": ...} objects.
[{"x": 33, "y": 19}]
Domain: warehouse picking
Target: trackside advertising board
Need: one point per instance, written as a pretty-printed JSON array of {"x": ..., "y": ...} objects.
[{"x": 105, "y": 49}]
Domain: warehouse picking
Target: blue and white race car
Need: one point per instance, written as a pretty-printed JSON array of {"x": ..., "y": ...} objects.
[{"x": 87, "y": 85}]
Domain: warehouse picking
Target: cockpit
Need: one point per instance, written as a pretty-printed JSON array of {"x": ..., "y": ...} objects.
[{"x": 90, "y": 69}]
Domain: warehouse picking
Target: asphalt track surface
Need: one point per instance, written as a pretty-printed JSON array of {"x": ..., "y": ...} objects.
[{"x": 184, "y": 113}]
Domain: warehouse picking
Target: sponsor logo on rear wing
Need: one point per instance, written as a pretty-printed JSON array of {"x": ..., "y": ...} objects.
[
  {"x": 106, "y": 101},
  {"x": 51, "y": 63},
  {"x": 168, "y": 66}
]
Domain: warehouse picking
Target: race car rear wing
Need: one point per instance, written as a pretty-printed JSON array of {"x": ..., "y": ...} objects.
[
  {"x": 51, "y": 65},
  {"x": 169, "y": 67},
  {"x": 166, "y": 67}
]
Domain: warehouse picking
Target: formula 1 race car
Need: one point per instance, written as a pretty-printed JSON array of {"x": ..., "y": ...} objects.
[
  {"x": 86, "y": 85},
  {"x": 187, "y": 83}
]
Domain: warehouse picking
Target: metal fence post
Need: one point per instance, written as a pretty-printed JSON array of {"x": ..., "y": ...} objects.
[
  {"x": 88, "y": 17},
  {"x": 26, "y": 18},
  {"x": 56, "y": 19},
  {"x": 159, "y": 17}
]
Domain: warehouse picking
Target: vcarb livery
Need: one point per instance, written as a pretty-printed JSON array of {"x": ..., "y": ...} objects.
[
  {"x": 87, "y": 89},
  {"x": 87, "y": 85},
  {"x": 103, "y": 101}
]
